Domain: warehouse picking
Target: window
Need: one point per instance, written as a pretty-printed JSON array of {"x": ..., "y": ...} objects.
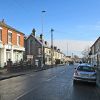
[
  {"x": 39, "y": 51},
  {"x": 9, "y": 37},
  {"x": 0, "y": 35},
  {"x": 18, "y": 39},
  {"x": 49, "y": 51},
  {"x": 86, "y": 68},
  {"x": 8, "y": 55},
  {"x": 49, "y": 59}
]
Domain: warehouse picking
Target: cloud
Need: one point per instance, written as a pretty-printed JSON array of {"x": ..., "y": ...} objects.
[
  {"x": 72, "y": 46},
  {"x": 95, "y": 26}
]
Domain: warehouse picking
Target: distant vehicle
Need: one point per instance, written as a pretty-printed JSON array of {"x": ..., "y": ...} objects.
[
  {"x": 71, "y": 62},
  {"x": 84, "y": 72}
]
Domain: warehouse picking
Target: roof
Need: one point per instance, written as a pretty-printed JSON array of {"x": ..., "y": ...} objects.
[
  {"x": 9, "y": 27},
  {"x": 95, "y": 42},
  {"x": 34, "y": 38}
]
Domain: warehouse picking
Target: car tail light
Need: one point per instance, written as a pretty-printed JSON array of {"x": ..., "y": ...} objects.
[{"x": 94, "y": 74}]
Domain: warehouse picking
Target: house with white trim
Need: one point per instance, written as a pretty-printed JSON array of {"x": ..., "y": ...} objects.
[
  {"x": 95, "y": 57},
  {"x": 11, "y": 44}
]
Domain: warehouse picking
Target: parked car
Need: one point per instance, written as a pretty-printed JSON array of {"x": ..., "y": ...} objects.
[{"x": 84, "y": 72}]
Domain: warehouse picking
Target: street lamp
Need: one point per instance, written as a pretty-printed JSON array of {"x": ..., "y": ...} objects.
[
  {"x": 42, "y": 19},
  {"x": 42, "y": 38},
  {"x": 52, "y": 46}
]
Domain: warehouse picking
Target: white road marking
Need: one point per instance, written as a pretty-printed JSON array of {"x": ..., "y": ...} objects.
[
  {"x": 62, "y": 72},
  {"x": 33, "y": 88},
  {"x": 51, "y": 78},
  {"x": 24, "y": 94},
  {"x": 32, "y": 75}
]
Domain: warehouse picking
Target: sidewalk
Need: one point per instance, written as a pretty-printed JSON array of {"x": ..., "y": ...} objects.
[{"x": 4, "y": 74}]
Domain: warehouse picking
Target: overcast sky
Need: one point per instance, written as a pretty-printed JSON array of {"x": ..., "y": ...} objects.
[{"x": 75, "y": 22}]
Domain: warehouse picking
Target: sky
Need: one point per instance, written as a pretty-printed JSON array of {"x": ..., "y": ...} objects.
[{"x": 76, "y": 23}]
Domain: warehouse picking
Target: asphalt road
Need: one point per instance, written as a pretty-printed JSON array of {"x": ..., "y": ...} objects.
[{"x": 52, "y": 84}]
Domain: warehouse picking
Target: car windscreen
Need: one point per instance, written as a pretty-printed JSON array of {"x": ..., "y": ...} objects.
[{"x": 86, "y": 68}]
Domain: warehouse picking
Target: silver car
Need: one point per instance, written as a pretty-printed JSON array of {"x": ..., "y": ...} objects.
[{"x": 84, "y": 72}]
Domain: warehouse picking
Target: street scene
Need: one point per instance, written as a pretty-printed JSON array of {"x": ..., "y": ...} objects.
[
  {"x": 49, "y": 50},
  {"x": 52, "y": 84}
]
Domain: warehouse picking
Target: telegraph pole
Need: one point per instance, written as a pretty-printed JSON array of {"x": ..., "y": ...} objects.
[
  {"x": 42, "y": 20},
  {"x": 42, "y": 39},
  {"x": 52, "y": 46},
  {"x": 67, "y": 48}
]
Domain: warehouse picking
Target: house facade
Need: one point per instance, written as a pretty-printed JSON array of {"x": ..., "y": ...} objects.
[
  {"x": 11, "y": 44},
  {"x": 47, "y": 54},
  {"x": 33, "y": 50},
  {"x": 58, "y": 57},
  {"x": 95, "y": 53},
  {"x": 95, "y": 57}
]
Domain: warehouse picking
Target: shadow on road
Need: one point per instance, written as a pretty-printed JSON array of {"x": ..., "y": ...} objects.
[{"x": 84, "y": 84}]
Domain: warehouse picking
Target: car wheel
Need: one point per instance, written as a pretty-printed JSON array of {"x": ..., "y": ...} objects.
[{"x": 94, "y": 83}]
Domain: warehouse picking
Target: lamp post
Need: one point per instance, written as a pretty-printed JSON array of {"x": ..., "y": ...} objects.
[
  {"x": 52, "y": 46},
  {"x": 42, "y": 20},
  {"x": 42, "y": 57}
]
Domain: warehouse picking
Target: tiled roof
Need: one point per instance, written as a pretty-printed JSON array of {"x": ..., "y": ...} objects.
[
  {"x": 95, "y": 42},
  {"x": 9, "y": 27}
]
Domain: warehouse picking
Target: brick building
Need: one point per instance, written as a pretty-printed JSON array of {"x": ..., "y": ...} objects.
[{"x": 11, "y": 44}]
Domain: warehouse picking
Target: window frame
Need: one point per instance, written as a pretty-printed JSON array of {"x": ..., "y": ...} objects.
[
  {"x": 0, "y": 34},
  {"x": 18, "y": 39},
  {"x": 9, "y": 34}
]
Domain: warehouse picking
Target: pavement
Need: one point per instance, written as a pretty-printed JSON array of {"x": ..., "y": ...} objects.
[{"x": 4, "y": 74}]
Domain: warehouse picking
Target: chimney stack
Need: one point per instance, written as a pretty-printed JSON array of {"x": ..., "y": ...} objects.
[
  {"x": 58, "y": 50},
  {"x": 41, "y": 37},
  {"x": 45, "y": 42},
  {"x": 55, "y": 48},
  {"x": 33, "y": 31}
]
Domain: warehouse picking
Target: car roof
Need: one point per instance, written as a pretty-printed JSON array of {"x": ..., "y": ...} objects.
[{"x": 85, "y": 64}]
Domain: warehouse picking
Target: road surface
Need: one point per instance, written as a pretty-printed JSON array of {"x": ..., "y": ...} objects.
[{"x": 52, "y": 84}]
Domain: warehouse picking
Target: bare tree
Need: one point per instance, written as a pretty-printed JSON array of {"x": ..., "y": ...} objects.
[{"x": 85, "y": 54}]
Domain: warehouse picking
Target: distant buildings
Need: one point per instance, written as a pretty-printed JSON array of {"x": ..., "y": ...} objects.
[
  {"x": 11, "y": 44},
  {"x": 39, "y": 52}
]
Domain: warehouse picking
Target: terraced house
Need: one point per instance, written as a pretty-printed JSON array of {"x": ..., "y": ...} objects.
[
  {"x": 95, "y": 51},
  {"x": 11, "y": 44},
  {"x": 95, "y": 57}
]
